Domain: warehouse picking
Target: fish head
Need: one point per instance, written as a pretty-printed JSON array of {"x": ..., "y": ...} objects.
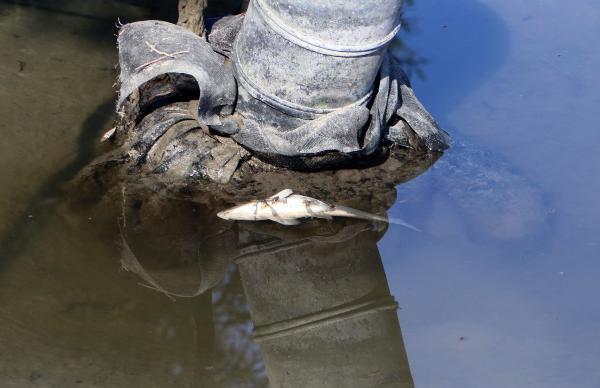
[{"x": 245, "y": 212}]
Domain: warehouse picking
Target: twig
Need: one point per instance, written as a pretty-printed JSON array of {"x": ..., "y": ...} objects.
[
  {"x": 123, "y": 205},
  {"x": 163, "y": 55},
  {"x": 153, "y": 48},
  {"x": 108, "y": 134}
]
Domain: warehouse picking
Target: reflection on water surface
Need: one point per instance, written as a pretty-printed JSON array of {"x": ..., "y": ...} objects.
[
  {"x": 147, "y": 288},
  {"x": 117, "y": 284}
]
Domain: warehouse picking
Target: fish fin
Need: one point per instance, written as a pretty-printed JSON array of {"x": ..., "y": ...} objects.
[
  {"x": 282, "y": 194},
  {"x": 287, "y": 222},
  {"x": 323, "y": 216}
]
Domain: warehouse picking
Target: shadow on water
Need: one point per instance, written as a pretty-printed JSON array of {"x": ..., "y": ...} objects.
[
  {"x": 24, "y": 228},
  {"x": 497, "y": 204},
  {"x": 93, "y": 20},
  {"x": 469, "y": 42}
]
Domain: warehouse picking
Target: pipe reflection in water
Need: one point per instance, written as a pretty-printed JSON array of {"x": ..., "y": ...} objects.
[
  {"x": 322, "y": 309},
  {"x": 317, "y": 294}
]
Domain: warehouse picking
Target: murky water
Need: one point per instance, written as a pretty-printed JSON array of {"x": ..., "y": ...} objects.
[{"x": 127, "y": 287}]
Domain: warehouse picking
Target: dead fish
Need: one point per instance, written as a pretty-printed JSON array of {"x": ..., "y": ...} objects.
[{"x": 288, "y": 208}]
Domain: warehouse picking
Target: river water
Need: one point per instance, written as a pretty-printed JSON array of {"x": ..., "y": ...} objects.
[{"x": 127, "y": 288}]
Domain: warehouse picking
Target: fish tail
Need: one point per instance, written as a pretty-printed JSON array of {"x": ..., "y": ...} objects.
[
  {"x": 343, "y": 211},
  {"x": 397, "y": 221}
]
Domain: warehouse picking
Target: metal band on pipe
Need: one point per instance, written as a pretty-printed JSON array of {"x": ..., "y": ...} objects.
[
  {"x": 296, "y": 325},
  {"x": 290, "y": 108},
  {"x": 316, "y": 45}
]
